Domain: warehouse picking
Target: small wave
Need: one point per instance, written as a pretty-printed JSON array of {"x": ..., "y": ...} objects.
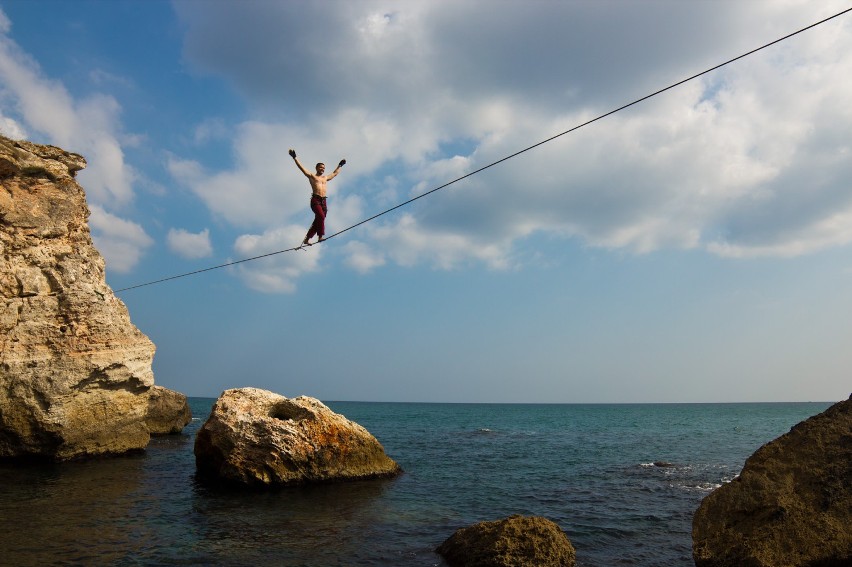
[
  {"x": 702, "y": 486},
  {"x": 659, "y": 464}
]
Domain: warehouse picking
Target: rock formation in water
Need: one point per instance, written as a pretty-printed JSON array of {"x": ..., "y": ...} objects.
[
  {"x": 168, "y": 411},
  {"x": 791, "y": 504},
  {"x": 516, "y": 541},
  {"x": 75, "y": 373},
  {"x": 255, "y": 437}
]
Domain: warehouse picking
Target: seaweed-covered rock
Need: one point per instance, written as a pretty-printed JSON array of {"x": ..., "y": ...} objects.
[
  {"x": 516, "y": 541},
  {"x": 790, "y": 506},
  {"x": 258, "y": 438}
]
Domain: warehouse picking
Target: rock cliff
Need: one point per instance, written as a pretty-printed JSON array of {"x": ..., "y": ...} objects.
[
  {"x": 790, "y": 506},
  {"x": 258, "y": 438},
  {"x": 74, "y": 371}
]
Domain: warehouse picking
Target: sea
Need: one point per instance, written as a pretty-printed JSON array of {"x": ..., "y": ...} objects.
[{"x": 621, "y": 480}]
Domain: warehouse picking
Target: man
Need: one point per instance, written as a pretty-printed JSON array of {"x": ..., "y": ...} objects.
[{"x": 318, "y": 183}]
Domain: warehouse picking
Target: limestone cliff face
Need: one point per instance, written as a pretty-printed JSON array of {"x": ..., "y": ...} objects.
[{"x": 74, "y": 371}]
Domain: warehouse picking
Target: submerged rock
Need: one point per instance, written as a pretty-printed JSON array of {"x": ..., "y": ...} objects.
[
  {"x": 256, "y": 437},
  {"x": 74, "y": 371},
  {"x": 790, "y": 506},
  {"x": 168, "y": 411},
  {"x": 516, "y": 541}
]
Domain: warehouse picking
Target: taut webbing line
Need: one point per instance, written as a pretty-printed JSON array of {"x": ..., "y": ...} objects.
[{"x": 499, "y": 161}]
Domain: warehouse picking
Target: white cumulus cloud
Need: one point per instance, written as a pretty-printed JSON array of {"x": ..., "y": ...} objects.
[
  {"x": 362, "y": 257},
  {"x": 10, "y": 128},
  {"x": 750, "y": 160},
  {"x": 121, "y": 242},
  {"x": 190, "y": 245},
  {"x": 33, "y": 104},
  {"x": 89, "y": 126},
  {"x": 5, "y": 23},
  {"x": 275, "y": 273}
]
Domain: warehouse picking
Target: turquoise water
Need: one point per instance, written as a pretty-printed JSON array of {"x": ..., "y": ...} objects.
[{"x": 589, "y": 468}]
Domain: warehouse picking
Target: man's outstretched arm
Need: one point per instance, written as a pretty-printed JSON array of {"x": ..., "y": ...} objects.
[
  {"x": 298, "y": 163},
  {"x": 336, "y": 170}
]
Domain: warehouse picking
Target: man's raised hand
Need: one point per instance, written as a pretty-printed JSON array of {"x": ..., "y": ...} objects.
[
  {"x": 342, "y": 163},
  {"x": 292, "y": 154}
]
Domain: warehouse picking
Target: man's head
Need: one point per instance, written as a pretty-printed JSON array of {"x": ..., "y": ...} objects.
[{"x": 320, "y": 168}]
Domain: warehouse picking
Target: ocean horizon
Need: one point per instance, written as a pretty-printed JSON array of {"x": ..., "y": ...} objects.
[{"x": 622, "y": 480}]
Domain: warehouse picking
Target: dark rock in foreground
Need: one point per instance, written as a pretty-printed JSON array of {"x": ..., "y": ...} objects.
[
  {"x": 792, "y": 504},
  {"x": 258, "y": 438},
  {"x": 517, "y": 541}
]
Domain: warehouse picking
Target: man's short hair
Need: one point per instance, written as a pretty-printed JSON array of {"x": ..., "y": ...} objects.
[{"x": 320, "y": 164}]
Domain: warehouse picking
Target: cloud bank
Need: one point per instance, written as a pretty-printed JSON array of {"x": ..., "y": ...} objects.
[
  {"x": 751, "y": 160},
  {"x": 34, "y": 105}
]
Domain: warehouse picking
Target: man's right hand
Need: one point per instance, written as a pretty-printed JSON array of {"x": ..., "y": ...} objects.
[{"x": 292, "y": 154}]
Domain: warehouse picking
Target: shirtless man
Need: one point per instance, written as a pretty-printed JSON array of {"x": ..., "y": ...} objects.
[{"x": 318, "y": 183}]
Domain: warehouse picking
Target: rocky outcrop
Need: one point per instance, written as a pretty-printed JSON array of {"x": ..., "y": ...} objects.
[
  {"x": 74, "y": 371},
  {"x": 517, "y": 541},
  {"x": 255, "y": 437},
  {"x": 168, "y": 411},
  {"x": 791, "y": 504}
]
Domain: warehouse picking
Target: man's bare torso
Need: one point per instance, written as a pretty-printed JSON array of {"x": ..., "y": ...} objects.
[{"x": 318, "y": 184}]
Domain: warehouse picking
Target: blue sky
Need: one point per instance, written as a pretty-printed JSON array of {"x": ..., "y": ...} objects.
[{"x": 696, "y": 247}]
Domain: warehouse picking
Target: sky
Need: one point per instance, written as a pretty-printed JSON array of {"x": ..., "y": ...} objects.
[{"x": 694, "y": 247}]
